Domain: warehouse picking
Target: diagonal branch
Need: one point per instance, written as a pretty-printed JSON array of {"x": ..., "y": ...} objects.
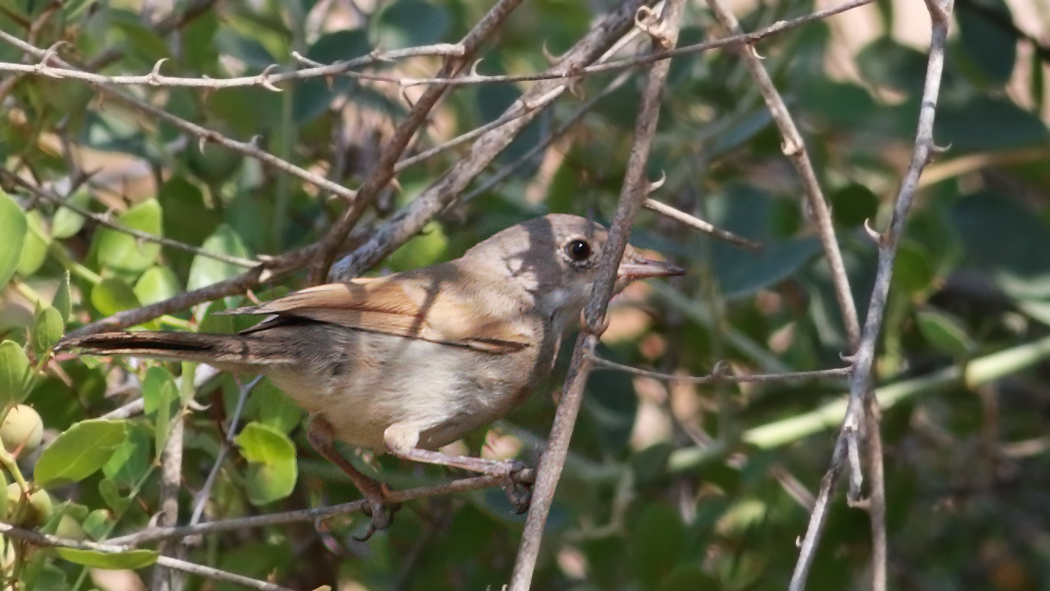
[
  {"x": 635, "y": 190},
  {"x": 860, "y": 380}
]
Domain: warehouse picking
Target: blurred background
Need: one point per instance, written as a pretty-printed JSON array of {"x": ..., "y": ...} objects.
[{"x": 668, "y": 486}]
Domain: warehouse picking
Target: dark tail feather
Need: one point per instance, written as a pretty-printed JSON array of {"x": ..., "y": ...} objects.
[{"x": 230, "y": 352}]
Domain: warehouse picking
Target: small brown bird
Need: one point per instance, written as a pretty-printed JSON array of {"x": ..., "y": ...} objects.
[{"x": 410, "y": 362}]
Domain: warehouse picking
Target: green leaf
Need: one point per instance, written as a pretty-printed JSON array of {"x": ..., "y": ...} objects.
[
  {"x": 16, "y": 376},
  {"x": 79, "y": 452},
  {"x": 853, "y": 204},
  {"x": 406, "y": 23},
  {"x": 610, "y": 408},
  {"x": 107, "y": 489},
  {"x": 47, "y": 330},
  {"x": 34, "y": 249},
  {"x": 658, "y": 536},
  {"x": 990, "y": 46},
  {"x": 126, "y": 253},
  {"x": 13, "y": 228},
  {"x": 913, "y": 272},
  {"x": 130, "y": 560},
  {"x": 886, "y": 62},
  {"x": 160, "y": 397},
  {"x": 97, "y": 524},
  {"x": 112, "y": 295},
  {"x": 987, "y": 123},
  {"x": 67, "y": 222},
  {"x": 205, "y": 271},
  {"x": 156, "y": 285},
  {"x": 142, "y": 40},
  {"x": 689, "y": 577},
  {"x": 270, "y": 406},
  {"x": 130, "y": 461},
  {"x": 272, "y": 468},
  {"x": 946, "y": 333},
  {"x": 62, "y": 302},
  {"x": 312, "y": 97}
]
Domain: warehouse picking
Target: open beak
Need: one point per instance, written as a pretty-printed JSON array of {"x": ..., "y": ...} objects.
[{"x": 635, "y": 268}]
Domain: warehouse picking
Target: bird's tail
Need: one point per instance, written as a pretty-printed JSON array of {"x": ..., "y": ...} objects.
[{"x": 228, "y": 352}]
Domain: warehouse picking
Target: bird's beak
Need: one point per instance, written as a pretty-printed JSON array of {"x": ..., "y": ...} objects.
[{"x": 634, "y": 268}]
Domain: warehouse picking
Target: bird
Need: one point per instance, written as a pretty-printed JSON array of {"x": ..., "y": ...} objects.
[{"x": 409, "y": 362}]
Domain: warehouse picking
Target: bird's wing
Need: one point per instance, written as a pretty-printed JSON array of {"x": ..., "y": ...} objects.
[{"x": 415, "y": 306}]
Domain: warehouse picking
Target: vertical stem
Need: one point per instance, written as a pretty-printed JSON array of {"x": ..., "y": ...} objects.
[{"x": 635, "y": 189}]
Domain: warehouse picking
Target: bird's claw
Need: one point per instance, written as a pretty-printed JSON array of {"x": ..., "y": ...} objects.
[
  {"x": 518, "y": 486},
  {"x": 382, "y": 516}
]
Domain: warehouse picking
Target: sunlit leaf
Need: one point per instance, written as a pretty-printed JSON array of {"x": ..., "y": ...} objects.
[
  {"x": 127, "y": 253},
  {"x": 79, "y": 452},
  {"x": 272, "y": 466},
  {"x": 13, "y": 228},
  {"x": 16, "y": 375},
  {"x": 130, "y": 560}
]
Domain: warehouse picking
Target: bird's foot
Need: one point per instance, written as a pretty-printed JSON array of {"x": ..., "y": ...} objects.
[
  {"x": 517, "y": 484},
  {"x": 380, "y": 510}
]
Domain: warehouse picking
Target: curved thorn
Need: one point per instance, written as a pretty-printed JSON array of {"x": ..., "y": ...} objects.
[
  {"x": 875, "y": 236},
  {"x": 474, "y": 68},
  {"x": 264, "y": 78},
  {"x": 154, "y": 75},
  {"x": 404, "y": 95},
  {"x": 657, "y": 184}
]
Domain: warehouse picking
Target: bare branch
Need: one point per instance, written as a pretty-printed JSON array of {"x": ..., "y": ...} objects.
[
  {"x": 699, "y": 224},
  {"x": 795, "y": 149},
  {"x": 718, "y": 376},
  {"x": 397, "y": 496},
  {"x": 863, "y": 359},
  {"x": 635, "y": 189},
  {"x": 432, "y": 201}
]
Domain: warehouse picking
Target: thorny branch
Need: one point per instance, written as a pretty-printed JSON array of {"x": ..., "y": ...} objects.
[
  {"x": 268, "y": 78},
  {"x": 863, "y": 359},
  {"x": 664, "y": 34}
]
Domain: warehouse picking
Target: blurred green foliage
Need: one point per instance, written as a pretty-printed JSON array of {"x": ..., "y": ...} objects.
[{"x": 668, "y": 487}]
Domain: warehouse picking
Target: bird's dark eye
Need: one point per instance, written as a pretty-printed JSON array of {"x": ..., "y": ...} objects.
[{"x": 578, "y": 250}]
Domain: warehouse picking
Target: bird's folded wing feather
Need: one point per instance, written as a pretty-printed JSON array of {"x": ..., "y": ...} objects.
[{"x": 408, "y": 307}]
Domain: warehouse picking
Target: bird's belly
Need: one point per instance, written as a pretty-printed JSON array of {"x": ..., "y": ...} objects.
[{"x": 441, "y": 391}]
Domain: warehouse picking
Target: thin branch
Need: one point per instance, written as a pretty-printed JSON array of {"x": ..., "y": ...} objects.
[
  {"x": 212, "y": 527},
  {"x": 863, "y": 360},
  {"x": 205, "y": 135},
  {"x": 267, "y": 78},
  {"x": 524, "y": 108},
  {"x": 201, "y": 500},
  {"x": 383, "y": 170},
  {"x": 736, "y": 40},
  {"x": 104, "y": 220},
  {"x": 170, "y": 485},
  {"x": 876, "y": 502},
  {"x": 795, "y": 149},
  {"x": 718, "y": 376},
  {"x": 558, "y": 132},
  {"x": 413, "y": 218},
  {"x": 48, "y": 540},
  {"x": 699, "y": 224},
  {"x": 635, "y": 189}
]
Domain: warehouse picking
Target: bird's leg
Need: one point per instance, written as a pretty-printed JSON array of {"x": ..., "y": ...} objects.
[
  {"x": 515, "y": 477},
  {"x": 322, "y": 437}
]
